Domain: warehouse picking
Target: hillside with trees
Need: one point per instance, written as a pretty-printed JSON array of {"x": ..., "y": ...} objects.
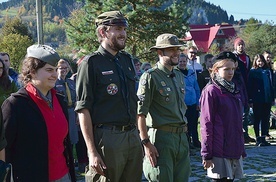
[{"x": 69, "y": 24}]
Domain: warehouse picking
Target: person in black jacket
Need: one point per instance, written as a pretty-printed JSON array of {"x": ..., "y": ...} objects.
[
  {"x": 3, "y": 141},
  {"x": 36, "y": 124},
  {"x": 244, "y": 65}
]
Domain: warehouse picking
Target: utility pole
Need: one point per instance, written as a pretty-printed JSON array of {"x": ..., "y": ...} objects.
[{"x": 39, "y": 21}]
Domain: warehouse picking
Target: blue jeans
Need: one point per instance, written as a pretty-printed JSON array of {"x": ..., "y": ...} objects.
[{"x": 65, "y": 178}]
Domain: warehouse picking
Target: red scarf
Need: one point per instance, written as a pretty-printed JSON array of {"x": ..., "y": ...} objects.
[{"x": 57, "y": 128}]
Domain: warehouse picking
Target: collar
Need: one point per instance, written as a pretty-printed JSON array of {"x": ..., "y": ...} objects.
[
  {"x": 107, "y": 54},
  {"x": 33, "y": 90},
  {"x": 163, "y": 68}
]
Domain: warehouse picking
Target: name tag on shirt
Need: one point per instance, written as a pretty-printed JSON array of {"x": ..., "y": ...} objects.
[{"x": 108, "y": 72}]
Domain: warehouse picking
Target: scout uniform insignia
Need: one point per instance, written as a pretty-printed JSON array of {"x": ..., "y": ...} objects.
[
  {"x": 143, "y": 82},
  {"x": 163, "y": 83},
  {"x": 112, "y": 89}
]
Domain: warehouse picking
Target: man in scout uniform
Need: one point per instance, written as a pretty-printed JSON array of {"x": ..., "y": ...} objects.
[
  {"x": 107, "y": 105},
  {"x": 162, "y": 109}
]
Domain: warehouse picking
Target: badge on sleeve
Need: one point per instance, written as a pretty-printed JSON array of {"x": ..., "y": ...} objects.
[
  {"x": 143, "y": 82},
  {"x": 112, "y": 89}
]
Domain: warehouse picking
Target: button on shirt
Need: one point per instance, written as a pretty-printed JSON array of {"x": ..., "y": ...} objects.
[
  {"x": 162, "y": 96},
  {"x": 99, "y": 88}
]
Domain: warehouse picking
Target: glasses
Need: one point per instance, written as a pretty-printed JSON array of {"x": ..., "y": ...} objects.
[
  {"x": 193, "y": 52},
  {"x": 63, "y": 68}
]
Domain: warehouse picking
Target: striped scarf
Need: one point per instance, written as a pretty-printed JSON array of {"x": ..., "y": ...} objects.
[{"x": 229, "y": 86}]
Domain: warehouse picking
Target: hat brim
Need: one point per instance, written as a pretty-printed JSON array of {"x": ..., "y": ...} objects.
[{"x": 164, "y": 47}]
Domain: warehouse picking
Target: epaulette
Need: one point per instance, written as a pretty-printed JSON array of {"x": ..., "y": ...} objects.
[
  {"x": 87, "y": 57},
  {"x": 151, "y": 70},
  {"x": 176, "y": 69}
]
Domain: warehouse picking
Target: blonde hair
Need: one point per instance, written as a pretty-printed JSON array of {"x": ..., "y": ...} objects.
[
  {"x": 218, "y": 64},
  {"x": 62, "y": 61}
]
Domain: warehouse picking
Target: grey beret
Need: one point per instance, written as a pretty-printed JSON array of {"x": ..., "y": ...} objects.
[{"x": 44, "y": 53}]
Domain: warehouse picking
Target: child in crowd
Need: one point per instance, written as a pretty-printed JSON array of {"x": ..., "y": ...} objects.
[
  {"x": 261, "y": 97},
  {"x": 221, "y": 122}
]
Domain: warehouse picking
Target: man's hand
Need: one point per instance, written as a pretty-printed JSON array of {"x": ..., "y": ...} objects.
[
  {"x": 96, "y": 162},
  {"x": 152, "y": 153}
]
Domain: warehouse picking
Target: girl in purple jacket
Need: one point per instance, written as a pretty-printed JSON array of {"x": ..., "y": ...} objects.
[{"x": 222, "y": 142}]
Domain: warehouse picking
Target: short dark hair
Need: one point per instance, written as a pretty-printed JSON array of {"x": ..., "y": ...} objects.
[
  {"x": 266, "y": 52},
  {"x": 136, "y": 60},
  {"x": 5, "y": 82},
  {"x": 208, "y": 56},
  {"x": 4, "y": 54}
]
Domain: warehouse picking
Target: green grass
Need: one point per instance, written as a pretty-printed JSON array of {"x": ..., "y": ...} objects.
[{"x": 9, "y": 12}]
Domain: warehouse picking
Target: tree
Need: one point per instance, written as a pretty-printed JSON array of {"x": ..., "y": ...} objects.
[
  {"x": 14, "y": 39},
  {"x": 147, "y": 19},
  {"x": 264, "y": 38},
  {"x": 15, "y": 26},
  {"x": 54, "y": 32},
  {"x": 251, "y": 26},
  {"x": 16, "y": 45}
]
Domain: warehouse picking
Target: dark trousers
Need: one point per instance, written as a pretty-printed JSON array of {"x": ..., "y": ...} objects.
[
  {"x": 192, "y": 117},
  {"x": 261, "y": 115},
  {"x": 81, "y": 149},
  {"x": 245, "y": 120}
]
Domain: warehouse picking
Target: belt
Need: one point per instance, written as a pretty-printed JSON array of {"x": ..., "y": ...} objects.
[
  {"x": 128, "y": 127},
  {"x": 173, "y": 129}
]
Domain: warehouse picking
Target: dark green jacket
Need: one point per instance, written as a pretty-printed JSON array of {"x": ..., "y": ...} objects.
[{"x": 99, "y": 88}]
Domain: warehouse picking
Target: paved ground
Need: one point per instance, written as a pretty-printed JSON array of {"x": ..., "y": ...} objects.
[{"x": 259, "y": 165}]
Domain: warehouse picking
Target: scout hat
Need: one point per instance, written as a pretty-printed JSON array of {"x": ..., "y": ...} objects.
[
  {"x": 44, "y": 53},
  {"x": 225, "y": 55},
  {"x": 165, "y": 41},
  {"x": 111, "y": 18}
]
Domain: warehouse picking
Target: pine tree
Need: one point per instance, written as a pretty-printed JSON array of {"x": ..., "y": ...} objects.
[{"x": 147, "y": 19}]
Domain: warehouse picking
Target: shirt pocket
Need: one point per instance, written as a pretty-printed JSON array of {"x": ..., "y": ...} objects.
[
  {"x": 108, "y": 79},
  {"x": 165, "y": 95}
]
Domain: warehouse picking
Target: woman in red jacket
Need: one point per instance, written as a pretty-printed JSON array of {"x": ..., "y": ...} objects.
[{"x": 35, "y": 122}]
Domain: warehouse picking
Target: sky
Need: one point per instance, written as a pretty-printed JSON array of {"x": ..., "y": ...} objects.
[{"x": 245, "y": 9}]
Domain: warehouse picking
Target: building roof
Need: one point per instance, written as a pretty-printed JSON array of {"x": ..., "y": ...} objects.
[{"x": 204, "y": 35}]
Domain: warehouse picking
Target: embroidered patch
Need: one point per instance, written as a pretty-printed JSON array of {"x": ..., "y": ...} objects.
[
  {"x": 108, "y": 72},
  {"x": 161, "y": 91},
  {"x": 169, "y": 89},
  {"x": 141, "y": 91},
  {"x": 112, "y": 89},
  {"x": 163, "y": 83},
  {"x": 143, "y": 82}
]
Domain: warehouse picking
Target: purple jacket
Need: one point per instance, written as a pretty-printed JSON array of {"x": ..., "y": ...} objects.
[{"x": 221, "y": 123}]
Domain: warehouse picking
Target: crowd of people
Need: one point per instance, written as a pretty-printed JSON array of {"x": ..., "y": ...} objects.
[{"x": 127, "y": 119}]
